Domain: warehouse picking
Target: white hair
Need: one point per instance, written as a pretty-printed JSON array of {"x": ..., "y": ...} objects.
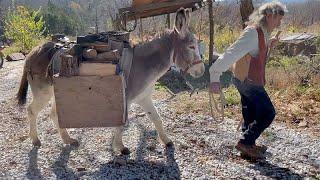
[{"x": 258, "y": 17}]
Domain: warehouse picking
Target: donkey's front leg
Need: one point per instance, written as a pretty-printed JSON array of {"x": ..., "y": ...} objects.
[
  {"x": 117, "y": 144},
  {"x": 147, "y": 105}
]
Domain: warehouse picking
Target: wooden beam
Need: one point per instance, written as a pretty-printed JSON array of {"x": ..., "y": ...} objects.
[
  {"x": 211, "y": 23},
  {"x": 141, "y": 30},
  {"x": 168, "y": 21},
  {"x": 158, "y": 8},
  {"x": 159, "y": 5}
]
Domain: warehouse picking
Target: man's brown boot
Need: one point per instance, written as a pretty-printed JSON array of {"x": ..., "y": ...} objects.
[
  {"x": 261, "y": 148},
  {"x": 249, "y": 151}
]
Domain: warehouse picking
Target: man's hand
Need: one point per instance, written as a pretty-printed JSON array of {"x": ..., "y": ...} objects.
[
  {"x": 274, "y": 40},
  {"x": 214, "y": 87}
]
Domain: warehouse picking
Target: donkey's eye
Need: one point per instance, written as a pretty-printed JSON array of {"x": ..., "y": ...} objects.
[{"x": 192, "y": 47}]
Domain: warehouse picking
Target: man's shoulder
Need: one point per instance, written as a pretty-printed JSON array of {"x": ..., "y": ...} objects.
[{"x": 250, "y": 31}]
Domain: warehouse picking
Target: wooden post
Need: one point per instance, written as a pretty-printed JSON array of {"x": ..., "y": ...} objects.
[
  {"x": 141, "y": 30},
  {"x": 168, "y": 21},
  {"x": 246, "y": 9},
  {"x": 200, "y": 25},
  {"x": 211, "y": 23},
  {"x": 97, "y": 30}
]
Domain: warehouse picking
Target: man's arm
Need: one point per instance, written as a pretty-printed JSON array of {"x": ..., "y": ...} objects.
[{"x": 246, "y": 43}]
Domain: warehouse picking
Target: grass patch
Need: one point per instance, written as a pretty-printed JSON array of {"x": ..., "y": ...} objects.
[
  {"x": 17, "y": 47},
  {"x": 159, "y": 87},
  {"x": 12, "y": 49},
  {"x": 282, "y": 61},
  {"x": 232, "y": 96},
  {"x": 301, "y": 90}
]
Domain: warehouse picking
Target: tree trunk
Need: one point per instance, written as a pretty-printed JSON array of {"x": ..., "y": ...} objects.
[{"x": 246, "y": 9}]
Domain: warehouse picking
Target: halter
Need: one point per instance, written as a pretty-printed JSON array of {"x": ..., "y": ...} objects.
[
  {"x": 184, "y": 72},
  {"x": 189, "y": 63}
]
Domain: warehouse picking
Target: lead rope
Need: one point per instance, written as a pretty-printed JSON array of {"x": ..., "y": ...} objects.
[{"x": 214, "y": 104}]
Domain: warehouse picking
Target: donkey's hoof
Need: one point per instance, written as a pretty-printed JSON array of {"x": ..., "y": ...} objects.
[
  {"x": 36, "y": 143},
  {"x": 170, "y": 144},
  {"x": 74, "y": 142},
  {"x": 125, "y": 151}
]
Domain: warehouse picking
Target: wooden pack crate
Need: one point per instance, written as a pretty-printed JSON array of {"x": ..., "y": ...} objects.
[{"x": 90, "y": 101}]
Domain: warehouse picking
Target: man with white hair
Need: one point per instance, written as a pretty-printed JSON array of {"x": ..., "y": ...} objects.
[{"x": 247, "y": 59}]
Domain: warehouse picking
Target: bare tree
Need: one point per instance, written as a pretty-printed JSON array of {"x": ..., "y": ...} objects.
[{"x": 246, "y": 8}]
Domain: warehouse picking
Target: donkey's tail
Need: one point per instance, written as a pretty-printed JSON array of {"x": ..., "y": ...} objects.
[{"x": 23, "y": 89}]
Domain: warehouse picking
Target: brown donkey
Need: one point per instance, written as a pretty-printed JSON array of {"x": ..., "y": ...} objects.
[{"x": 150, "y": 61}]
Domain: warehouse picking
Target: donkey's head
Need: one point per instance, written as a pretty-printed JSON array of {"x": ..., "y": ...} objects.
[{"x": 186, "y": 50}]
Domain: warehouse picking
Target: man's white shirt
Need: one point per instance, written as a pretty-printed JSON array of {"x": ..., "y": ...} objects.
[{"x": 247, "y": 43}]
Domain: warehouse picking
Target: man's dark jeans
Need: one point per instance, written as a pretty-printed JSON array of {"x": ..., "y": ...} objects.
[{"x": 257, "y": 110}]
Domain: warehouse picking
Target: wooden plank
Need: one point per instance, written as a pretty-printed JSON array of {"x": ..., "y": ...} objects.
[
  {"x": 157, "y": 8},
  {"x": 156, "y": 12},
  {"x": 159, "y": 5},
  {"x": 89, "y": 101},
  {"x": 97, "y": 69}
]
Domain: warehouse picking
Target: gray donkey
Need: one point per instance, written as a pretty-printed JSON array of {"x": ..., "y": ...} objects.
[{"x": 150, "y": 61}]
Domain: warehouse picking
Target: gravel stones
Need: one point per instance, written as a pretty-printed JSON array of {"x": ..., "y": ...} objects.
[{"x": 203, "y": 149}]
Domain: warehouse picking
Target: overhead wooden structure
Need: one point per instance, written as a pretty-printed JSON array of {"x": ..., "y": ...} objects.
[{"x": 149, "y": 8}]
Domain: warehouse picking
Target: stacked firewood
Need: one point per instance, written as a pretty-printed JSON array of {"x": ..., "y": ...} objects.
[{"x": 94, "y": 54}]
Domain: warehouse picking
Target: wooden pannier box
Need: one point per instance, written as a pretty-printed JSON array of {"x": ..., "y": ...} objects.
[{"x": 93, "y": 96}]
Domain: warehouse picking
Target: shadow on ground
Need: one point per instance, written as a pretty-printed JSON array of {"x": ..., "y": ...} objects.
[
  {"x": 139, "y": 168},
  {"x": 175, "y": 82}
]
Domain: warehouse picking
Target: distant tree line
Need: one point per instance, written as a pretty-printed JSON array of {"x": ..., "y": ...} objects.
[{"x": 74, "y": 17}]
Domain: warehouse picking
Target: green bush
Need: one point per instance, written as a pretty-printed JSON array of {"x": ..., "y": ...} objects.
[
  {"x": 224, "y": 37},
  {"x": 24, "y": 27},
  {"x": 282, "y": 61}
]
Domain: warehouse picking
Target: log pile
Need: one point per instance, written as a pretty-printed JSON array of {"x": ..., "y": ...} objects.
[{"x": 99, "y": 48}]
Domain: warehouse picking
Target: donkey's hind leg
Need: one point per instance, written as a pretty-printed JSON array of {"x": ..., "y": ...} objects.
[
  {"x": 41, "y": 97},
  {"x": 147, "y": 105},
  {"x": 62, "y": 131}
]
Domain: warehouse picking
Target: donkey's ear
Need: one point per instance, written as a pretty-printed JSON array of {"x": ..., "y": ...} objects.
[
  {"x": 181, "y": 22},
  {"x": 188, "y": 12}
]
